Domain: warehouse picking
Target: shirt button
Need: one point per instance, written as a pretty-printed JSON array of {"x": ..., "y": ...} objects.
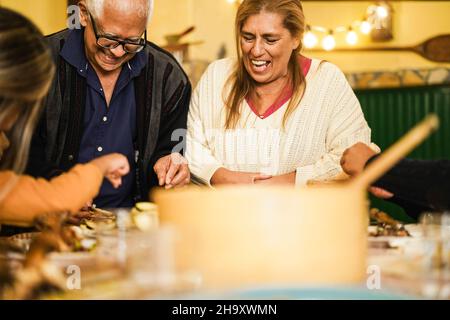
[
  {"x": 100, "y": 149},
  {"x": 101, "y": 89},
  {"x": 70, "y": 157},
  {"x": 105, "y": 119},
  {"x": 262, "y": 117}
]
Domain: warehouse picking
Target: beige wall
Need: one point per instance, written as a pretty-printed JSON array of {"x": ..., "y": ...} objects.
[
  {"x": 414, "y": 22},
  {"x": 213, "y": 20},
  {"x": 49, "y": 15},
  {"x": 170, "y": 16}
]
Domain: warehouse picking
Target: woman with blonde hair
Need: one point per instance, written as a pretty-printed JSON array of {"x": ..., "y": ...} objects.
[
  {"x": 26, "y": 71},
  {"x": 271, "y": 116}
]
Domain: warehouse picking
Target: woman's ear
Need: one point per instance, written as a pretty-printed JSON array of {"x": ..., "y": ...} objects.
[{"x": 84, "y": 16}]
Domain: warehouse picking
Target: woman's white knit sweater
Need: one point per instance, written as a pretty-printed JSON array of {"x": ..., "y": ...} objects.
[{"x": 328, "y": 120}]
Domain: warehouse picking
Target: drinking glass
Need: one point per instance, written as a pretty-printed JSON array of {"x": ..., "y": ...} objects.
[{"x": 436, "y": 254}]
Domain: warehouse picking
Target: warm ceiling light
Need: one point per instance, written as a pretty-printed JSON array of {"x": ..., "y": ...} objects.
[
  {"x": 329, "y": 43},
  {"x": 365, "y": 27},
  {"x": 352, "y": 37},
  {"x": 309, "y": 39}
]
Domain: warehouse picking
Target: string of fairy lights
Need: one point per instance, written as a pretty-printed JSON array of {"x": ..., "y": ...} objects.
[
  {"x": 375, "y": 17},
  {"x": 311, "y": 40}
]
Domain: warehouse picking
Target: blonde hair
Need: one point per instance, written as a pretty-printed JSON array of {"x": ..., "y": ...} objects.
[
  {"x": 240, "y": 83},
  {"x": 26, "y": 71}
]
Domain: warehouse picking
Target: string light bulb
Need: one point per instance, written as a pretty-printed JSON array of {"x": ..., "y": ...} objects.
[
  {"x": 352, "y": 37},
  {"x": 309, "y": 39},
  {"x": 236, "y": 2},
  {"x": 329, "y": 43},
  {"x": 365, "y": 27}
]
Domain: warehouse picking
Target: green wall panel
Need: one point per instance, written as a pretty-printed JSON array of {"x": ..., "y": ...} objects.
[{"x": 392, "y": 112}]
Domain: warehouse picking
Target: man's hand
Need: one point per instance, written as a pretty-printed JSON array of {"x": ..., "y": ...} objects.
[
  {"x": 355, "y": 158},
  {"x": 172, "y": 171}
]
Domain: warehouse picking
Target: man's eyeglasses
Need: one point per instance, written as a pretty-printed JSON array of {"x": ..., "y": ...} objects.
[{"x": 129, "y": 46}]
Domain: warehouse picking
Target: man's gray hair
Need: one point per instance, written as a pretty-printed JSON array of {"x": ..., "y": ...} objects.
[{"x": 143, "y": 8}]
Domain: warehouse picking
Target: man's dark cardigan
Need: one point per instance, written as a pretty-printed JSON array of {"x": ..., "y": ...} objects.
[{"x": 162, "y": 92}]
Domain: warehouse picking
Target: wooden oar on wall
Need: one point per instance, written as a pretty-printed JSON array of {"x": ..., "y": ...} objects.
[{"x": 436, "y": 49}]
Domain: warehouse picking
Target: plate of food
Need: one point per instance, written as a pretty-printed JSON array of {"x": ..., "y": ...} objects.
[
  {"x": 143, "y": 216},
  {"x": 386, "y": 226},
  {"x": 387, "y": 233},
  {"x": 96, "y": 219},
  {"x": 19, "y": 242},
  {"x": 415, "y": 230}
]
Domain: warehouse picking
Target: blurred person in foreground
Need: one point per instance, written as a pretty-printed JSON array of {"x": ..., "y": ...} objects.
[{"x": 416, "y": 185}]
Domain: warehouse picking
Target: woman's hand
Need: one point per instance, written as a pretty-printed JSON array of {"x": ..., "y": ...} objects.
[
  {"x": 114, "y": 167},
  {"x": 225, "y": 176},
  {"x": 285, "y": 179},
  {"x": 355, "y": 158}
]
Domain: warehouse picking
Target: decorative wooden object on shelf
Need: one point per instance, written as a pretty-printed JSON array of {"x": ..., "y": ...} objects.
[
  {"x": 181, "y": 50},
  {"x": 436, "y": 49},
  {"x": 176, "y": 47},
  {"x": 381, "y": 25}
]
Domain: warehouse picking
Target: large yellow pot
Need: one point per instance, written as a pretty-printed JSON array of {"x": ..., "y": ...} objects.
[{"x": 247, "y": 236}]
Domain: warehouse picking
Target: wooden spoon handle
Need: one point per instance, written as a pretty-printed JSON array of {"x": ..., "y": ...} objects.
[{"x": 435, "y": 49}]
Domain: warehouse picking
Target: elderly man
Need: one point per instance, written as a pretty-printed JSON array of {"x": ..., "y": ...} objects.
[{"x": 114, "y": 92}]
